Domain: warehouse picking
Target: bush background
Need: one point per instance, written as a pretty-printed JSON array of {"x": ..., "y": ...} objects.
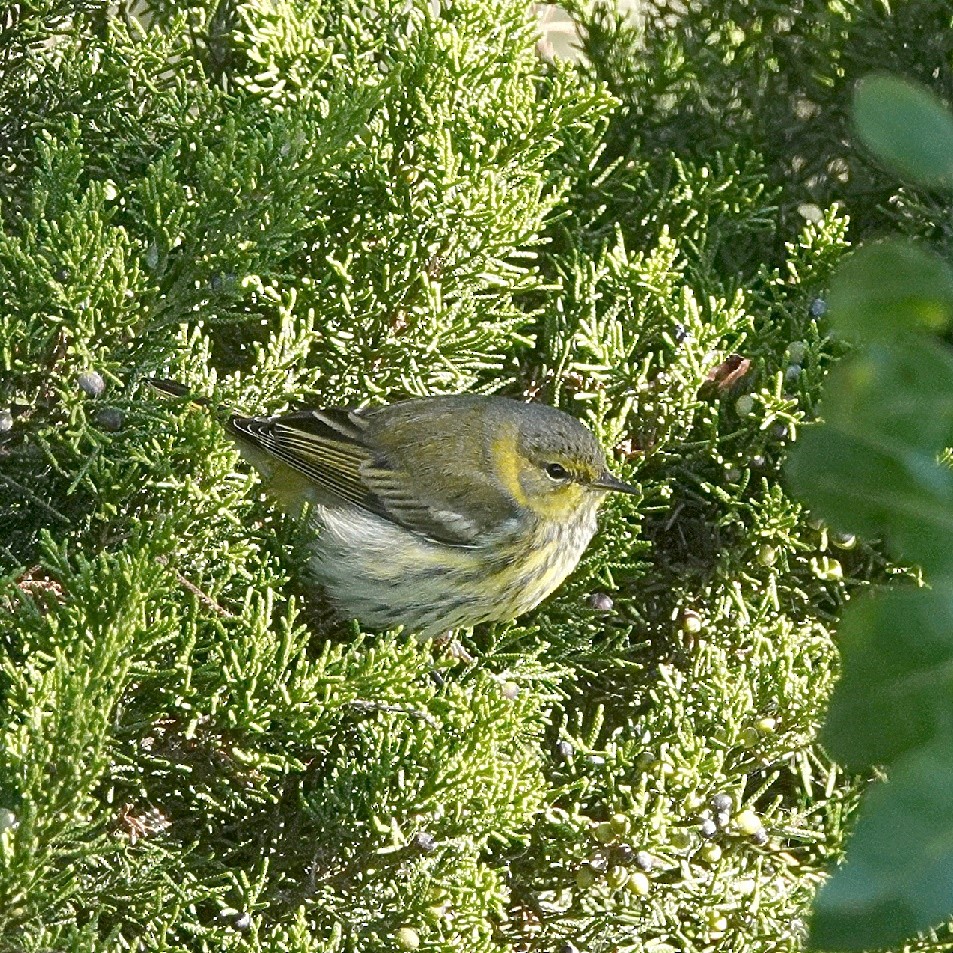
[{"x": 280, "y": 202}]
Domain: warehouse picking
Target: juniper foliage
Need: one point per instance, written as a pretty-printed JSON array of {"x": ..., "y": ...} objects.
[{"x": 285, "y": 201}]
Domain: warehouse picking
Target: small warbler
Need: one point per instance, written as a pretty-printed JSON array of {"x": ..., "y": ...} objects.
[{"x": 435, "y": 513}]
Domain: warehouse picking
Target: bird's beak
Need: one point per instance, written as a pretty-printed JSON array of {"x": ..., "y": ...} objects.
[{"x": 608, "y": 481}]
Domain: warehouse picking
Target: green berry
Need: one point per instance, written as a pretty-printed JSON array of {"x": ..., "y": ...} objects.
[
  {"x": 408, "y": 938},
  {"x": 604, "y": 833},
  {"x": 621, "y": 825},
  {"x": 744, "y": 405},
  {"x": 585, "y": 877},
  {"x": 767, "y": 555},
  {"x": 691, "y": 622},
  {"x": 766, "y": 726},
  {"x": 748, "y": 737},
  {"x": 747, "y": 822},
  {"x": 796, "y": 352},
  {"x": 710, "y": 853},
  {"x": 617, "y": 876},
  {"x": 639, "y": 884}
]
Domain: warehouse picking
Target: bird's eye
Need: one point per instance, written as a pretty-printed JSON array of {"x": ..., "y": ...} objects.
[{"x": 556, "y": 471}]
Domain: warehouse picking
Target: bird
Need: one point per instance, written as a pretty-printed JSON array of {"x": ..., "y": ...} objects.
[{"x": 433, "y": 513}]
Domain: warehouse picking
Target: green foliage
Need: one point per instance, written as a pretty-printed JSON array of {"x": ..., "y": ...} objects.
[
  {"x": 875, "y": 466},
  {"x": 886, "y": 110},
  {"x": 340, "y": 203}
]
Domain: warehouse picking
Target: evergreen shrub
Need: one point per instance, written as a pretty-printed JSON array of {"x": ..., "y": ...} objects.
[{"x": 282, "y": 202}]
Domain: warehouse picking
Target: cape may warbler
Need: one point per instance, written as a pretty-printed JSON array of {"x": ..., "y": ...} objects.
[{"x": 435, "y": 513}]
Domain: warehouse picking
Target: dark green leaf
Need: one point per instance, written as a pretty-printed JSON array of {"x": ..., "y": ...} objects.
[
  {"x": 897, "y": 879},
  {"x": 898, "y": 676},
  {"x": 890, "y": 287},
  {"x": 872, "y": 467},
  {"x": 907, "y": 127}
]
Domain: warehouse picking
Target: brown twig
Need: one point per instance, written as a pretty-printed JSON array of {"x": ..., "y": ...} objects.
[{"x": 203, "y": 597}]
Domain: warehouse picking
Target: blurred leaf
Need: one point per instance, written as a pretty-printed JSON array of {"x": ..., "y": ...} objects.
[
  {"x": 890, "y": 287},
  {"x": 907, "y": 127},
  {"x": 872, "y": 467},
  {"x": 898, "y": 675},
  {"x": 896, "y": 881}
]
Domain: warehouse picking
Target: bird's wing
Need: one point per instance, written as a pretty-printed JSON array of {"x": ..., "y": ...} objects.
[
  {"x": 329, "y": 448},
  {"x": 403, "y": 503},
  {"x": 326, "y": 446}
]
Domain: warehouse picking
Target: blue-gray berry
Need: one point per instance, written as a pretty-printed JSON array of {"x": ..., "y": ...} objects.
[
  {"x": 721, "y": 802},
  {"x": 600, "y": 602},
  {"x": 564, "y": 750},
  {"x": 91, "y": 383},
  {"x": 425, "y": 842},
  {"x": 624, "y": 854},
  {"x": 110, "y": 419}
]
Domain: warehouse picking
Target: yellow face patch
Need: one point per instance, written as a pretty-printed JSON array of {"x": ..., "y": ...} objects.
[
  {"x": 558, "y": 502},
  {"x": 508, "y": 463},
  {"x": 529, "y": 485}
]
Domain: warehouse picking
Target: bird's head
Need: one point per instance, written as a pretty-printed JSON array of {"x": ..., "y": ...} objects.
[{"x": 552, "y": 464}]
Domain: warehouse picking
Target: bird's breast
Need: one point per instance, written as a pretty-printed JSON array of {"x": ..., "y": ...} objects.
[{"x": 528, "y": 570}]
